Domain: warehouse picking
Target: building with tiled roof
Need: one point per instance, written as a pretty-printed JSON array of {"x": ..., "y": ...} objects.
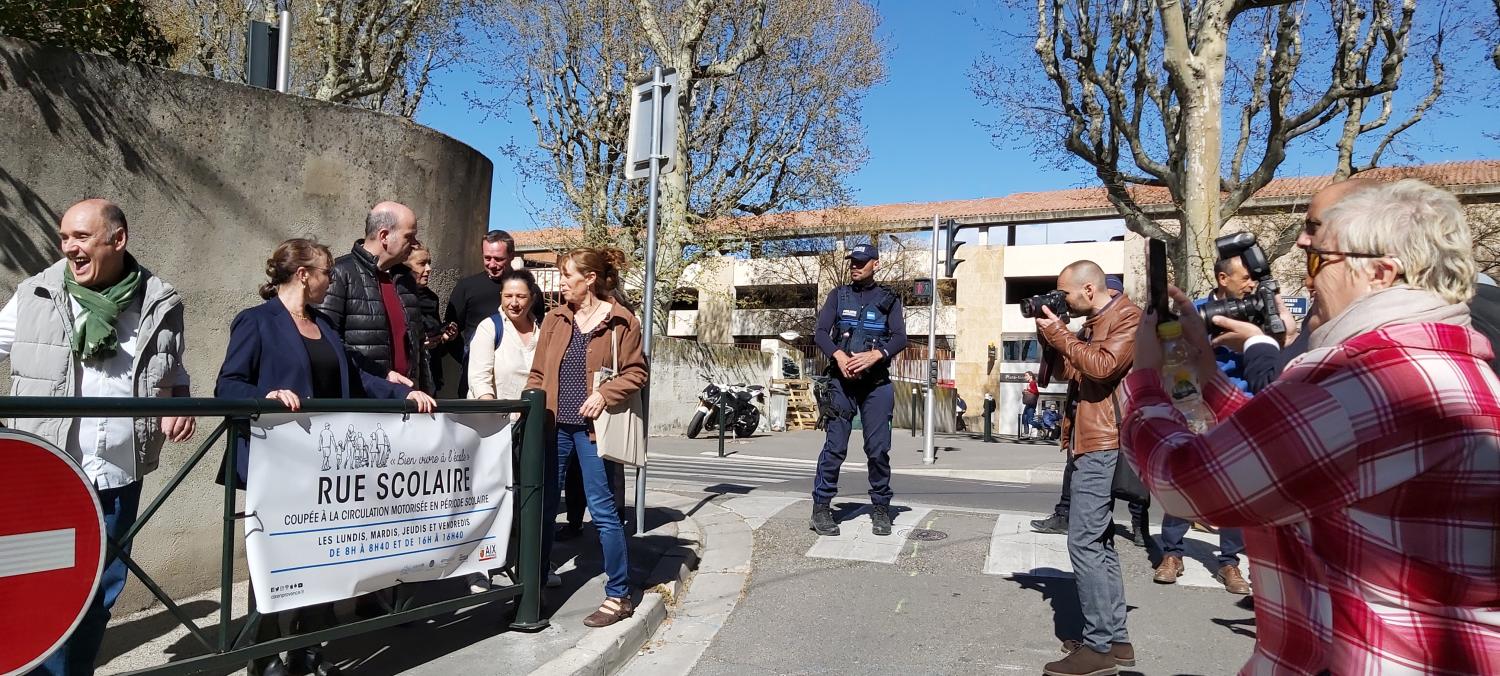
[
  {"x": 1014, "y": 247},
  {"x": 1475, "y": 179}
]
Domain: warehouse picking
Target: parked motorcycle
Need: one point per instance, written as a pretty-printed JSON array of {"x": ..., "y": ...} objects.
[{"x": 743, "y": 407}]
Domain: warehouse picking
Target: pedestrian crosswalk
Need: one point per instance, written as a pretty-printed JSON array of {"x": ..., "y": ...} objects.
[
  {"x": 732, "y": 471},
  {"x": 1013, "y": 549}
]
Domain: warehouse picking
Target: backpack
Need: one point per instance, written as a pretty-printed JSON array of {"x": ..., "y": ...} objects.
[{"x": 499, "y": 323}]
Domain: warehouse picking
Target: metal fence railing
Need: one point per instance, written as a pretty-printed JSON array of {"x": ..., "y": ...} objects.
[{"x": 231, "y": 649}]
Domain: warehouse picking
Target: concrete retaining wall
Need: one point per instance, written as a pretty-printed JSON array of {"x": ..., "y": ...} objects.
[
  {"x": 211, "y": 176},
  {"x": 677, "y": 370}
]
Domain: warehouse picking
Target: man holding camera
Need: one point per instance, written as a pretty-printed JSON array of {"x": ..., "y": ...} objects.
[
  {"x": 1093, "y": 362},
  {"x": 1234, "y": 283},
  {"x": 861, "y": 326}
]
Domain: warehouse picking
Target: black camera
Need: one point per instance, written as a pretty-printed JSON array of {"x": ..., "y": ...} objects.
[
  {"x": 1057, "y": 300},
  {"x": 1259, "y": 307}
]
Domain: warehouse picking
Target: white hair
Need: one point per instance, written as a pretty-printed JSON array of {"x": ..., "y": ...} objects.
[{"x": 1420, "y": 226}]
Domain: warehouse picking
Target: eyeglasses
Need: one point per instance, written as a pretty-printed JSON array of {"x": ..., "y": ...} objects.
[
  {"x": 1317, "y": 258},
  {"x": 856, "y": 263}
]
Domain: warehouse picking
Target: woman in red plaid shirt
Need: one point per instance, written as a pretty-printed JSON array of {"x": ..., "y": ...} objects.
[{"x": 1367, "y": 478}]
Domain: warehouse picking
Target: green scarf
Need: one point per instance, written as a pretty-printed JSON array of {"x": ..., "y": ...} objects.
[{"x": 94, "y": 330}]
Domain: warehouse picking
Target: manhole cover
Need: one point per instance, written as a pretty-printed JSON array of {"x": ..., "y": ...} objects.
[{"x": 925, "y": 534}]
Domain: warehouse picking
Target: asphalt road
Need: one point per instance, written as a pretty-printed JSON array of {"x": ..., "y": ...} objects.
[{"x": 934, "y": 610}]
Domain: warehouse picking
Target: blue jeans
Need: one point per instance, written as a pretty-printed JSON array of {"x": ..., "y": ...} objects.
[
  {"x": 1173, "y": 530},
  {"x": 875, "y": 405},
  {"x": 1091, "y": 548},
  {"x": 597, "y": 479},
  {"x": 76, "y": 656}
]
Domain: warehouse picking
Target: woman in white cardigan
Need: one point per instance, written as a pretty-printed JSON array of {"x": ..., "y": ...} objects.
[{"x": 498, "y": 370}]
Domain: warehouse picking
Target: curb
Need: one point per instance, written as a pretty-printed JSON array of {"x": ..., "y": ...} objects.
[
  {"x": 713, "y": 592},
  {"x": 605, "y": 651}
]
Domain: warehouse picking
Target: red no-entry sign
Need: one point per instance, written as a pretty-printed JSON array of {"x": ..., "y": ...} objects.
[{"x": 51, "y": 549}]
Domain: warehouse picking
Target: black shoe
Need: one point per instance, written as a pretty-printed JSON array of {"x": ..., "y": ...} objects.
[
  {"x": 822, "y": 520},
  {"x": 1056, "y": 524},
  {"x": 310, "y": 661},
  {"x": 880, "y": 519},
  {"x": 272, "y": 667},
  {"x": 568, "y": 532},
  {"x": 1140, "y": 535}
]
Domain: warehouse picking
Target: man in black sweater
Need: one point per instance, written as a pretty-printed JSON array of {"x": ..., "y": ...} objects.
[{"x": 476, "y": 297}]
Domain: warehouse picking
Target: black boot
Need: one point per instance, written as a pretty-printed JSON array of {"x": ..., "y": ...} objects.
[
  {"x": 1142, "y": 532},
  {"x": 822, "y": 520},
  {"x": 1056, "y": 524},
  {"x": 880, "y": 519}
]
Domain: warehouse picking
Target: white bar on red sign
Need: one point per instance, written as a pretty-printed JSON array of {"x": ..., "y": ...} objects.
[{"x": 36, "y": 552}]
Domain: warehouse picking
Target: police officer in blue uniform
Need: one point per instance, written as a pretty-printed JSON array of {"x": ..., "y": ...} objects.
[{"x": 861, "y": 327}]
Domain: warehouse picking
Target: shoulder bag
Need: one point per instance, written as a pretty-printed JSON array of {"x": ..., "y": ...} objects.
[{"x": 620, "y": 430}]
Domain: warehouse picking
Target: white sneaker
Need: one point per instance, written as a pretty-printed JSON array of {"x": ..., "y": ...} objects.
[{"x": 478, "y": 583}]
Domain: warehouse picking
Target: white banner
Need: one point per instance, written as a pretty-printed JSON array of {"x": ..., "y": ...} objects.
[{"x": 341, "y": 504}]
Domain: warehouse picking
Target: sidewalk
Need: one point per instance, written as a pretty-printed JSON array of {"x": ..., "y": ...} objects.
[
  {"x": 958, "y": 456},
  {"x": 473, "y": 640}
]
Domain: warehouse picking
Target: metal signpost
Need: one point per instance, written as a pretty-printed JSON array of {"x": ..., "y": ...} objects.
[
  {"x": 651, "y": 122},
  {"x": 284, "y": 50},
  {"x": 929, "y": 451}
]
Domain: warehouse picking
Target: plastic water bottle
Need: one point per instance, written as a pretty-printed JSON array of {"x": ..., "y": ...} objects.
[{"x": 1179, "y": 380}]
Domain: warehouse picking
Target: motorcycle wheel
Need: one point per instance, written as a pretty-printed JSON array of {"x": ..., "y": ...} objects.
[
  {"x": 747, "y": 425},
  {"x": 696, "y": 425}
]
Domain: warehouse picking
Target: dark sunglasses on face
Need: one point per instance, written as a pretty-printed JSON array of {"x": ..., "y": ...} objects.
[
  {"x": 1318, "y": 258},
  {"x": 855, "y": 263}
]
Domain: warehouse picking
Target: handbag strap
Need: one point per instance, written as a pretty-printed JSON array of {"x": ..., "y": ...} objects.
[{"x": 614, "y": 350}]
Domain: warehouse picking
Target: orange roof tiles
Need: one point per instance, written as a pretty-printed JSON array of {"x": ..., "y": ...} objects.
[{"x": 1477, "y": 172}]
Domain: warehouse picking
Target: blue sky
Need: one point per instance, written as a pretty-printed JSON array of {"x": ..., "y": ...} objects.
[{"x": 924, "y": 130}]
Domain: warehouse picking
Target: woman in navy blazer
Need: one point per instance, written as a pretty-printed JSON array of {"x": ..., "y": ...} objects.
[{"x": 283, "y": 349}]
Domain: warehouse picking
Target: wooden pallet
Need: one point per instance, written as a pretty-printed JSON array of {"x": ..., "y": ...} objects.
[{"x": 801, "y": 406}]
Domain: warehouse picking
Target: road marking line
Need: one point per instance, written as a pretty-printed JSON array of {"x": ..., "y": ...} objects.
[
  {"x": 1017, "y": 550},
  {"x": 37, "y": 552},
  {"x": 856, "y": 542}
]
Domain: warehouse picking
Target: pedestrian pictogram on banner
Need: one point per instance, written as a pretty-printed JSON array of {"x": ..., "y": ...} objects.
[{"x": 51, "y": 549}]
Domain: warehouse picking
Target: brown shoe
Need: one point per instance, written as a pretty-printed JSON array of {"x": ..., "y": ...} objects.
[
  {"x": 1083, "y": 662},
  {"x": 613, "y": 610},
  {"x": 1234, "y": 583},
  {"x": 1170, "y": 568},
  {"x": 1124, "y": 653}
]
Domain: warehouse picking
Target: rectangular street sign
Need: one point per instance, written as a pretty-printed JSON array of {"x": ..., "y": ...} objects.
[{"x": 638, "y": 147}]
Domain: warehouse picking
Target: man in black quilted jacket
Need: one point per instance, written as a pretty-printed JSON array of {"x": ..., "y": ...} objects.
[{"x": 372, "y": 300}]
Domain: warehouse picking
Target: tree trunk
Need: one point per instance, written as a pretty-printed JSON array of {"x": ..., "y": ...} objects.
[{"x": 1202, "y": 140}]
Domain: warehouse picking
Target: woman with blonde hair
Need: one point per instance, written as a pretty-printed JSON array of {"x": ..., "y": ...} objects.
[{"x": 587, "y": 335}]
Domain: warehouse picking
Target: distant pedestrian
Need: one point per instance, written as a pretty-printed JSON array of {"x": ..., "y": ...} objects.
[
  {"x": 860, "y": 328},
  {"x": 476, "y": 297},
  {"x": 1029, "y": 396},
  {"x": 579, "y": 339},
  {"x": 284, "y": 349},
  {"x": 98, "y": 324},
  {"x": 372, "y": 301},
  {"x": 435, "y": 335}
]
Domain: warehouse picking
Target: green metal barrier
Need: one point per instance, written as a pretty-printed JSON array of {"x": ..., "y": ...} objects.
[{"x": 232, "y": 650}]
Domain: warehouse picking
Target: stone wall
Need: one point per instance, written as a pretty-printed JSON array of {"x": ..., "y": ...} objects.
[
  {"x": 212, "y": 176},
  {"x": 681, "y": 368}
]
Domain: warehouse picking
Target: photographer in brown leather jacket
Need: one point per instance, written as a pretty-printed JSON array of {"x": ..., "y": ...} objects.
[{"x": 1094, "y": 362}]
